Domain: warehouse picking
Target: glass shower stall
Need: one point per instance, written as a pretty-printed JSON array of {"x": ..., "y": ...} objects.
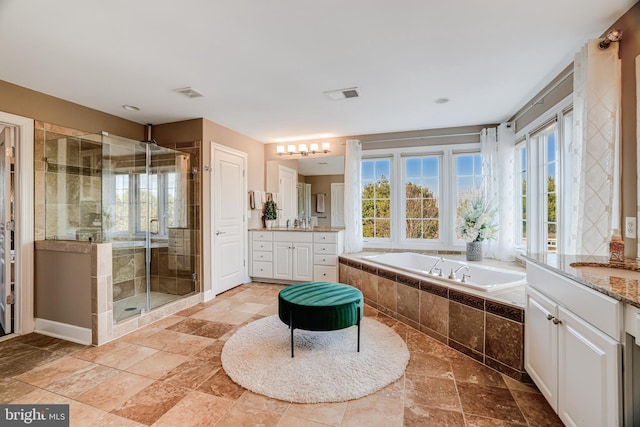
[{"x": 138, "y": 196}]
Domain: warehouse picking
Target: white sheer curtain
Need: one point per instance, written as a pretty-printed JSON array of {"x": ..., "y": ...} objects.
[
  {"x": 498, "y": 170},
  {"x": 352, "y": 197},
  {"x": 594, "y": 152}
]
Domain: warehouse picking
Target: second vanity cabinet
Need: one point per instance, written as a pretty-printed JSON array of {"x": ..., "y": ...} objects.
[
  {"x": 295, "y": 256},
  {"x": 573, "y": 348}
]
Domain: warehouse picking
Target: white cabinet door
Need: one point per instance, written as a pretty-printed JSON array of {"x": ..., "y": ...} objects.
[
  {"x": 541, "y": 345},
  {"x": 302, "y": 261},
  {"x": 288, "y": 203},
  {"x": 282, "y": 266},
  {"x": 589, "y": 366}
]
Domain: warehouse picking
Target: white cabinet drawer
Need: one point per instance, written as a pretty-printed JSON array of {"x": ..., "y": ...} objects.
[
  {"x": 262, "y": 246},
  {"x": 262, "y": 269},
  {"x": 324, "y": 248},
  {"x": 319, "y": 237},
  {"x": 325, "y": 259},
  {"x": 293, "y": 236},
  {"x": 262, "y": 256},
  {"x": 264, "y": 236},
  {"x": 601, "y": 311},
  {"x": 322, "y": 273}
]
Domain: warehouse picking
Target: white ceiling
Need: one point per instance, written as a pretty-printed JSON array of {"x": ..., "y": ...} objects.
[{"x": 263, "y": 65}]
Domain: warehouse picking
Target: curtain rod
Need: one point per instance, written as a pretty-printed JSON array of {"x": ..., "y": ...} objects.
[
  {"x": 540, "y": 99},
  {"x": 449, "y": 135}
]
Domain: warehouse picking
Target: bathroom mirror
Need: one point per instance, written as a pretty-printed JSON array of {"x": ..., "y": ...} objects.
[{"x": 316, "y": 175}]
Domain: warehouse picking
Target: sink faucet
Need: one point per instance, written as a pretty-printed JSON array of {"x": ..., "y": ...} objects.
[
  {"x": 453, "y": 274},
  {"x": 433, "y": 267}
]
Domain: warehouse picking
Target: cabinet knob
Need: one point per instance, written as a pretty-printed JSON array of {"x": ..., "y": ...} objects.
[
  {"x": 556, "y": 321},
  {"x": 549, "y": 316}
]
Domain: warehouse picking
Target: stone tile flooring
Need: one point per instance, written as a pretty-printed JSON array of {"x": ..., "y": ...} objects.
[{"x": 169, "y": 374}]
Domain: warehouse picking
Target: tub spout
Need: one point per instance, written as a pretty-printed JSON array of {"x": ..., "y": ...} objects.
[
  {"x": 433, "y": 267},
  {"x": 453, "y": 274}
]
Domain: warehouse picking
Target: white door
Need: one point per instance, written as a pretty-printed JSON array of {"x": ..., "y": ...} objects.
[
  {"x": 588, "y": 381},
  {"x": 228, "y": 228},
  {"x": 5, "y": 227},
  {"x": 302, "y": 262},
  {"x": 288, "y": 189},
  {"x": 337, "y": 204}
]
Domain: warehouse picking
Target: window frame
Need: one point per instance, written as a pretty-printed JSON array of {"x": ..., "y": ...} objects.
[{"x": 382, "y": 241}]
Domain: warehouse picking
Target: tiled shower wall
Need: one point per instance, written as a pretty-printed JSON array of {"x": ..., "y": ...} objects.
[{"x": 488, "y": 331}]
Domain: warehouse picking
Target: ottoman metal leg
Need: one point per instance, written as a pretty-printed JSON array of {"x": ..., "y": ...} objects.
[
  {"x": 291, "y": 326},
  {"x": 358, "y": 329}
]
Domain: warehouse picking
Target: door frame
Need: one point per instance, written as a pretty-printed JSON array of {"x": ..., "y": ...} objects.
[
  {"x": 336, "y": 201},
  {"x": 209, "y": 224},
  {"x": 24, "y": 234}
]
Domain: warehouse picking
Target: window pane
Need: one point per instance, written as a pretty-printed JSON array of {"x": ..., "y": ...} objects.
[
  {"x": 431, "y": 229},
  {"x": 468, "y": 180},
  {"x": 376, "y": 198},
  {"x": 422, "y": 187}
]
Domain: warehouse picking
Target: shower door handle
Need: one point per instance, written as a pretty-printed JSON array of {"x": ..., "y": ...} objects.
[{"x": 151, "y": 228}]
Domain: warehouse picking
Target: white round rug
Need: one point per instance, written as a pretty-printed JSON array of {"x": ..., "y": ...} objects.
[{"x": 326, "y": 366}]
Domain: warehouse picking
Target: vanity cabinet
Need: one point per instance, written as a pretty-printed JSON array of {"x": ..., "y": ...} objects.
[
  {"x": 573, "y": 348},
  {"x": 295, "y": 256}
]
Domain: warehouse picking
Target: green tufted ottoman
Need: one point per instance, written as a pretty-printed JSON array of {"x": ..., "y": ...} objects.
[{"x": 320, "y": 306}]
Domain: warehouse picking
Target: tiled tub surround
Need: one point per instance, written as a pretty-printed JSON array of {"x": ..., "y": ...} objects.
[{"x": 486, "y": 327}]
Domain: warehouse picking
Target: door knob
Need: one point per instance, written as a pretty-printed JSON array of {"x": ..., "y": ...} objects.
[{"x": 220, "y": 232}]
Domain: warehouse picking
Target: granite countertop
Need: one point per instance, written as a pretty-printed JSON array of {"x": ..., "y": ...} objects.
[
  {"x": 624, "y": 287},
  {"x": 316, "y": 228}
]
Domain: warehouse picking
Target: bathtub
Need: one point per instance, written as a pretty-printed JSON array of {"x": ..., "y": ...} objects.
[{"x": 479, "y": 277}]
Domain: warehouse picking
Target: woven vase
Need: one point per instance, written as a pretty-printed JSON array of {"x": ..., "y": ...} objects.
[{"x": 474, "y": 251}]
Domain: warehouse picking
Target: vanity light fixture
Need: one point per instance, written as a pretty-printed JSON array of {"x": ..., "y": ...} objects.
[
  {"x": 303, "y": 149},
  {"x": 614, "y": 35}
]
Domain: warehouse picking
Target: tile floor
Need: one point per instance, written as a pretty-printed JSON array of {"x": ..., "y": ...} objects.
[{"x": 169, "y": 374}]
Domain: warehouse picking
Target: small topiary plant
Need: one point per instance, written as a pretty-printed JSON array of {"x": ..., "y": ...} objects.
[{"x": 270, "y": 210}]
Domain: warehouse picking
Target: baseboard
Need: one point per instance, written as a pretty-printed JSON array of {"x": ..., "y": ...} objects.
[
  {"x": 208, "y": 295},
  {"x": 63, "y": 331}
]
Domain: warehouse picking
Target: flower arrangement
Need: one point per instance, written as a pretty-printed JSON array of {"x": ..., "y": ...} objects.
[
  {"x": 270, "y": 210},
  {"x": 475, "y": 221}
]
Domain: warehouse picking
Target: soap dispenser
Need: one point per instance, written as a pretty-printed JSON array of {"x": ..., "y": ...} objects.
[{"x": 616, "y": 247}]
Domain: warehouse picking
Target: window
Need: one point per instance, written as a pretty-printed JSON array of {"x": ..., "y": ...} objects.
[
  {"x": 543, "y": 182},
  {"x": 122, "y": 204},
  {"x": 376, "y": 198},
  {"x": 521, "y": 194},
  {"x": 468, "y": 179},
  {"x": 548, "y": 142},
  {"x": 422, "y": 190},
  {"x": 410, "y": 194}
]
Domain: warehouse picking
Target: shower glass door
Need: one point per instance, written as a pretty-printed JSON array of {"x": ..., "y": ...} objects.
[{"x": 147, "y": 191}]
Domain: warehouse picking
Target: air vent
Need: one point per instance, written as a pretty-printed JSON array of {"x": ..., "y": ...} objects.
[
  {"x": 189, "y": 92},
  {"x": 336, "y": 95}
]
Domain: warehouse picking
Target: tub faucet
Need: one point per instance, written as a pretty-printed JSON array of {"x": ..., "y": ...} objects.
[
  {"x": 433, "y": 267},
  {"x": 453, "y": 274}
]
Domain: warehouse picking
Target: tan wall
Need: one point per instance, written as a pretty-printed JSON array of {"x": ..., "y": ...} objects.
[
  {"x": 214, "y": 133},
  {"x": 28, "y": 103},
  {"x": 322, "y": 184},
  {"x": 63, "y": 287}
]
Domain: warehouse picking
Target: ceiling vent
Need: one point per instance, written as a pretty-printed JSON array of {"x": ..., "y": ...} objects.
[
  {"x": 337, "y": 95},
  {"x": 189, "y": 92}
]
